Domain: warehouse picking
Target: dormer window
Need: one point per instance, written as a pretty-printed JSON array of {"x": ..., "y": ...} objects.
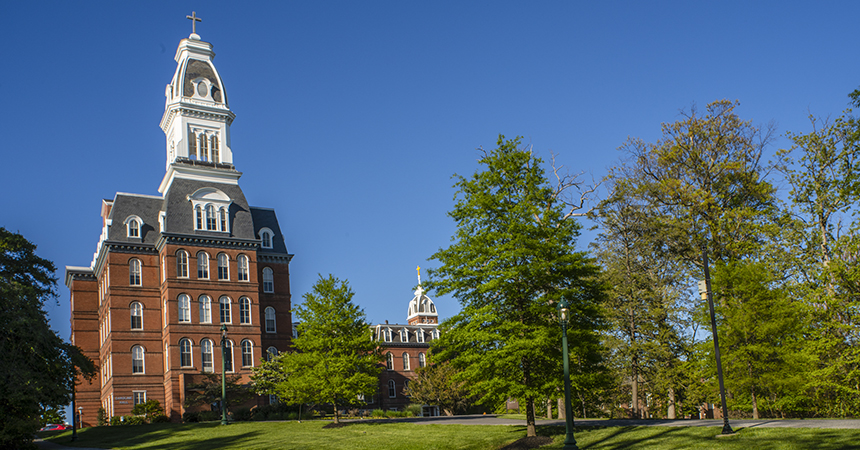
[
  {"x": 419, "y": 335},
  {"x": 386, "y": 335},
  {"x": 133, "y": 229},
  {"x": 266, "y": 237},
  {"x": 404, "y": 335},
  {"x": 211, "y": 210}
]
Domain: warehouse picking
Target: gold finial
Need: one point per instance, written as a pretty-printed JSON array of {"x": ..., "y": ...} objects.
[{"x": 419, "y": 274}]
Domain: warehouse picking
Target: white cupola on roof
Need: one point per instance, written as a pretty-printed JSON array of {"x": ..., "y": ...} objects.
[
  {"x": 421, "y": 307},
  {"x": 197, "y": 117}
]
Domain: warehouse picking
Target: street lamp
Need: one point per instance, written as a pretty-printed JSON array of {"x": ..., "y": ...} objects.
[
  {"x": 81, "y": 415},
  {"x": 564, "y": 317},
  {"x": 223, "y": 370},
  {"x": 74, "y": 421},
  {"x": 705, "y": 292}
]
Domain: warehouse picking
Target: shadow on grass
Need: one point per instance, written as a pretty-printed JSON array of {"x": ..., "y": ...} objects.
[{"x": 155, "y": 436}]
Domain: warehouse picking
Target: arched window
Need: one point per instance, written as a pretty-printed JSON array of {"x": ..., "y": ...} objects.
[
  {"x": 271, "y": 352},
  {"x": 228, "y": 355},
  {"x": 184, "y": 308},
  {"x": 182, "y": 264},
  {"x": 386, "y": 335},
  {"x": 392, "y": 389},
  {"x": 133, "y": 228},
  {"x": 242, "y": 262},
  {"x": 226, "y": 316},
  {"x": 268, "y": 280},
  {"x": 419, "y": 335},
  {"x": 247, "y": 353},
  {"x": 192, "y": 145},
  {"x": 206, "y": 355},
  {"x": 245, "y": 311},
  {"x": 137, "y": 359},
  {"x": 389, "y": 361},
  {"x": 198, "y": 215},
  {"x": 185, "y": 352},
  {"x": 405, "y": 361},
  {"x": 404, "y": 335},
  {"x": 223, "y": 214},
  {"x": 202, "y": 265},
  {"x": 134, "y": 272},
  {"x": 211, "y": 219},
  {"x": 205, "y": 309},
  {"x": 136, "y": 316},
  {"x": 266, "y": 237},
  {"x": 421, "y": 360},
  {"x": 270, "y": 320},
  {"x": 223, "y": 267},
  {"x": 213, "y": 144}
]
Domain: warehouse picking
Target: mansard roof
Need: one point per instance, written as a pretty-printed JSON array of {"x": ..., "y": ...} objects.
[
  {"x": 144, "y": 207},
  {"x": 396, "y": 338},
  {"x": 266, "y": 218},
  {"x": 180, "y": 211}
]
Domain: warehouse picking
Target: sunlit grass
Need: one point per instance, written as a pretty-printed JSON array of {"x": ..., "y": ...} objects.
[{"x": 312, "y": 435}]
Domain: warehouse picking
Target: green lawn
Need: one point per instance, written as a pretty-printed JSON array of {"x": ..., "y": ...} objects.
[{"x": 391, "y": 436}]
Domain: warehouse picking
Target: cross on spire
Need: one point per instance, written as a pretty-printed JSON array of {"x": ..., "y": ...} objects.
[{"x": 194, "y": 19}]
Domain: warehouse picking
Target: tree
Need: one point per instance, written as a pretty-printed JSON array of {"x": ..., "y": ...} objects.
[
  {"x": 149, "y": 409},
  {"x": 512, "y": 259},
  {"x": 336, "y": 360},
  {"x": 208, "y": 391},
  {"x": 38, "y": 367},
  {"x": 436, "y": 385}
]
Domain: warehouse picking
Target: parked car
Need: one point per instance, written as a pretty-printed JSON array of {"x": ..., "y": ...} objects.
[{"x": 54, "y": 427}]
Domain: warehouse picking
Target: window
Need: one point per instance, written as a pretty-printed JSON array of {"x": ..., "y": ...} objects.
[
  {"x": 405, "y": 361},
  {"x": 134, "y": 272},
  {"x": 137, "y": 359},
  {"x": 266, "y": 237},
  {"x": 198, "y": 214},
  {"x": 185, "y": 352},
  {"x": 421, "y": 360},
  {"x": 270, "y": 320},
  {"x": 182, "y": 264},
  {"x": 184, "y": 308},
  {"x": 404, "y": 335},
  {"x": 192, "y": 145},
  {"x": 202, "y": 265},
  {"x": 386, "y": 335},
  {"x": 206, "y": 355},
  {"x": 228, "y": 354},
  {"x": 419, "y": 335},
  {"x": 138, "y": 397},
  {"x": 205, "y": 309},
  {"x": 223, "y": 267},
  {"x": 389, "y": 361},
  {"x": 268, "y": 280},
  {"x": 216, "y": 155},
  {"x": 133, "y": 228},
  {"x": 223, "y": 214},
  {"x": 247, "y": 353},
  {"x": 392, "y": 389},
  {"x": 243, "y": 267},
  {"x": 226, "y": 317},
  {"x": 245, "y": 311},
  {"x": 211, "y": 219},
  {"x": 271, "y": 352},
  {"x": 136, "y": 316}
]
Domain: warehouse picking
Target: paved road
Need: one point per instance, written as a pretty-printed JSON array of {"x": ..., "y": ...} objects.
[{"x": 491, "y": 419}]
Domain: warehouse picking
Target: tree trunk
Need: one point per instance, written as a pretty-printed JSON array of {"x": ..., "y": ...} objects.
[
  {"x": 671, "y": 412},
  {"x": 634, "y": 401},
  {"x": 561, "y": 409},
  {"x": 530, "y": 417},
  {"x": 336, "y": 418},
  {"x": 548, "y": 409},
  {"x": 754, "y": 403}
]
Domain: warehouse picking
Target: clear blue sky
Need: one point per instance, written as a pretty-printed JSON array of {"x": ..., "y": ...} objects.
[{"x": 352, "y": 116}]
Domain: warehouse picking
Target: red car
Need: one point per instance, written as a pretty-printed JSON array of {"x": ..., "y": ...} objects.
[{"x": 54, "y": 427}]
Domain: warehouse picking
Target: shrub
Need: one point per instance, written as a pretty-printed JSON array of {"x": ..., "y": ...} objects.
[
  {"x": 101, "y": 417},
  {"x": 209, "y": 416},
  {"x": 190, "y": 417},
  {"x": 242, "y": 415},
  {"x": 161, "y": 418},
  {"x": 378, "y": 413},
  {"x": 414, "y": 410}
]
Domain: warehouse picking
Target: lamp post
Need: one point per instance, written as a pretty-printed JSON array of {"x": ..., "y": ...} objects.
[
  {"x": 80, "y": 416},
  {"x": 705, "y": 292},
  {"x": 74, "y": 421},
  {"x": 223, "y": 371},
  {"x": 564, "y": 317}
]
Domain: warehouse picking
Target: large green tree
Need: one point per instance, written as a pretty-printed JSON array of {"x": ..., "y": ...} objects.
[
  {"x": 436, "y": 385},
  {"x": 512, "y": 259},
  {"x": 335, "y": 362},
  {"x": 38, "y": 367}
]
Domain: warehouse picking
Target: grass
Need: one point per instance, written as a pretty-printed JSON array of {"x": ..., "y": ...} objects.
[{"x": 392, "y": 436}]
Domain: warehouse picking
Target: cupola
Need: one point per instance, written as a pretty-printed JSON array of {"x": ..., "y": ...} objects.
[{"x": 422, "y": 310}]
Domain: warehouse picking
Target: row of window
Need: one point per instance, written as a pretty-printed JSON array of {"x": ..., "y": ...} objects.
[
  {"x": 389, "y": 361},
  {"x": 203, "y": 146},
  {"x": 404, "y": 335},
  {"x": 186, "y": 352},
  {"x": 205, "y": 308},
  {"x": 134, "y": 269}
]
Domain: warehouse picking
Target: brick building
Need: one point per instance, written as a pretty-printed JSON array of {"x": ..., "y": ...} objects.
[
  {"x": 405, "y": 348},
  {"x": 170, "y": 269}
]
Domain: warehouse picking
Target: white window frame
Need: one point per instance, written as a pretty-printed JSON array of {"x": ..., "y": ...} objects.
[
  {"x": 205, "y": 308},
  {"x": 189, "y": 353},
  {"x": 138, "y": 397},
  {"x": 202, "y": 265},
  {"x": 419, "y": 336},
  {"x": 247, "y": 353},
  {"x": 389, "y": 361},
  {"x": 271, "y": 322},
  {"x": 242, "y": 263},
  {"x": 268, "y": 280},
  {"x": 135, "y": 350},
  {"x": 136, "y": 310},
  {"x": 208, "y": 364},
  {"x": 181, "y": 264},
  {"x": 133, "y": 225},
  {"x": 392, "y": 389},
  {"x": 405, "y": 357},
  {"x": 223, "y": 262},
  {"x": 135, "y": 267},
  {"x": 267, "y": 238},
  {"x": 404, "y": 335},
  {"x": 222, "y": 310},
  {"x": 229, "y": 362},
  {"x": 183, "y": 306},
  {"x": 422, "y": 360},
  {"x": 244, "y": 311}
]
